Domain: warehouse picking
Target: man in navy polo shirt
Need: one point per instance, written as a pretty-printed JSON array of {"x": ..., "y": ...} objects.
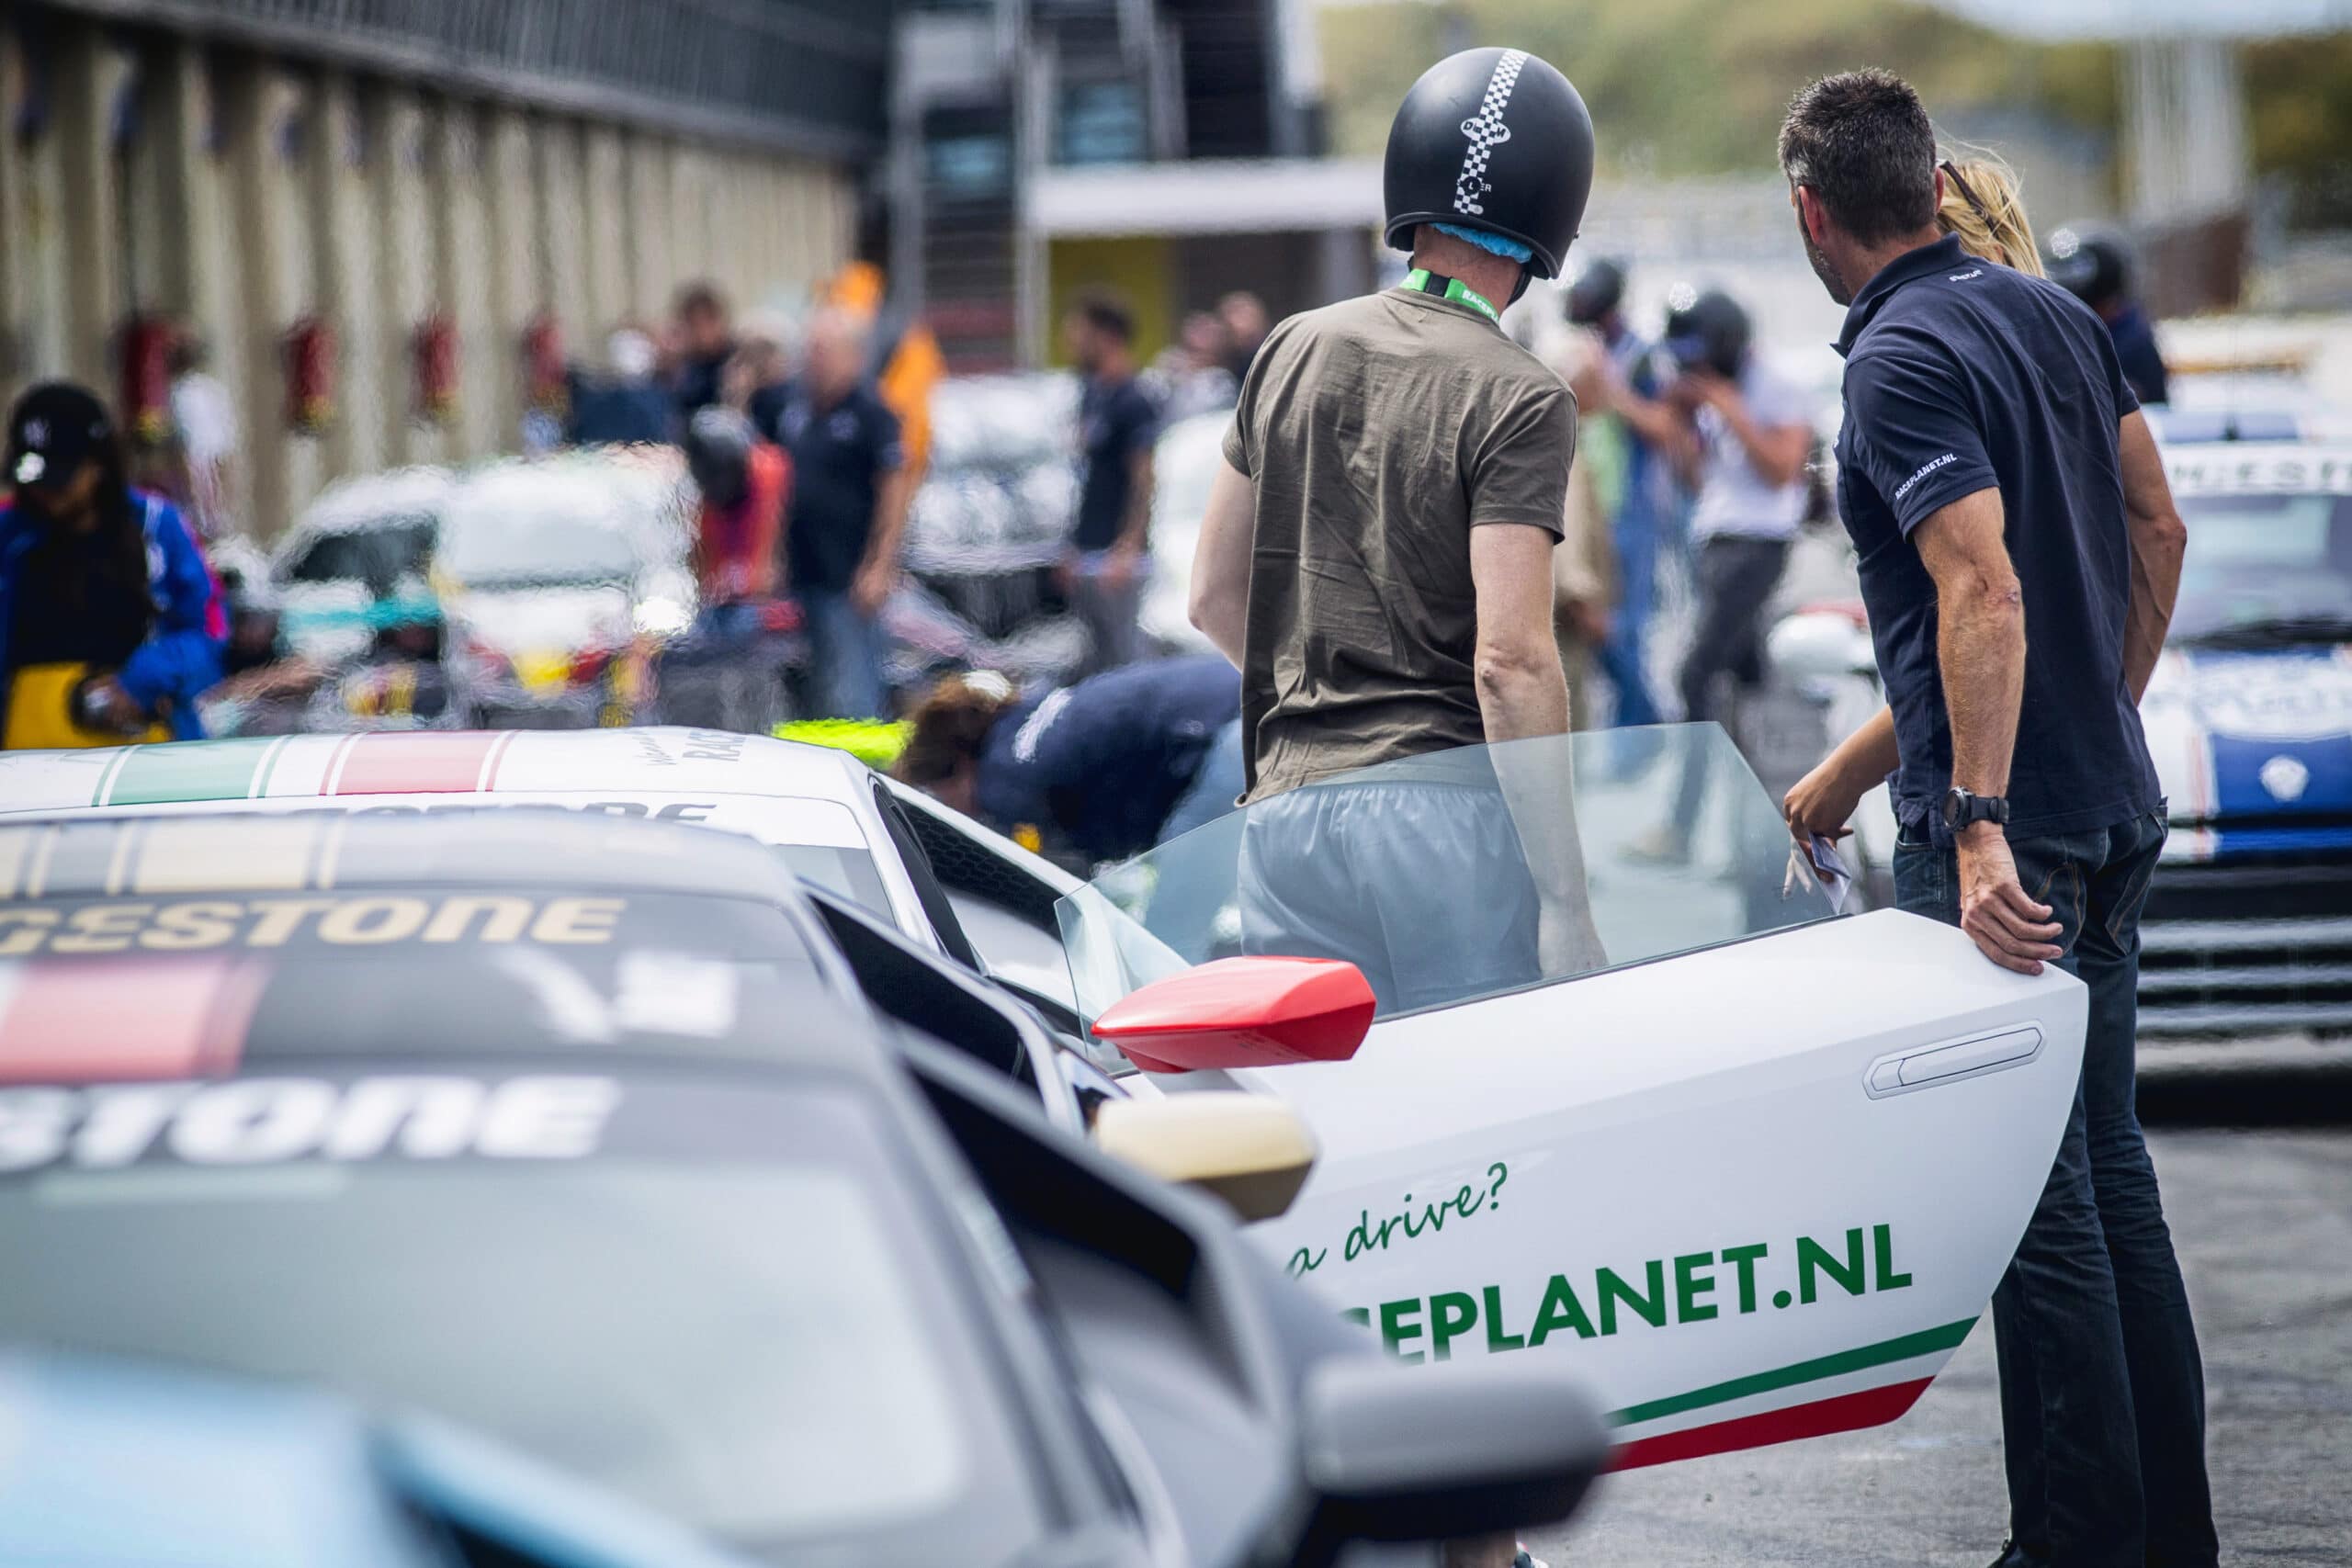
[{"x": 2020, "y": 554}]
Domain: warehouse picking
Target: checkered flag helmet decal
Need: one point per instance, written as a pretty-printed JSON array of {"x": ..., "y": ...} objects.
[
  {"x": 1496, "y": 140},
  {"x": 1486, "y": 131}
]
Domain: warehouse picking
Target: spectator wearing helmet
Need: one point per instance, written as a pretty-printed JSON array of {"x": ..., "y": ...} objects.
[
  {"x": 111, "y": 625},
  {"x": 743, "y": 483},
  {"x": 1741, "y": 431},
  {"x": 2094, "y": 265},
  {"x": 1633, "y": 477}
]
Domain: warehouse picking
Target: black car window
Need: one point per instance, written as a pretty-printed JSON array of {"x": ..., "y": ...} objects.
[{"x": 379, "y": 556}]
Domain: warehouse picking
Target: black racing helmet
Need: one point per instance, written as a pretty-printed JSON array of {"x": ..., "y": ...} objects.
[
  {"x": 2092, "y": 263},
  {"x": 1598, "y": 289},
  {"x": 718, "y": 453},
  {"x": 1493, "y": 139},
  {"x": 1707, "y": 330}
]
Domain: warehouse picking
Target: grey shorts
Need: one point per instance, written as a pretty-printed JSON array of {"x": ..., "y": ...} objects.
[{"x": 1422, "y": 885}]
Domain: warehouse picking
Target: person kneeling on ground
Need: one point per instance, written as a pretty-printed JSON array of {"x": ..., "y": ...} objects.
[{"x": 1107, "y": 767}]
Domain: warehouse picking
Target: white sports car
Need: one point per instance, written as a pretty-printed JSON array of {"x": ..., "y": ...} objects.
[{"x": 1754, "y": 1177}]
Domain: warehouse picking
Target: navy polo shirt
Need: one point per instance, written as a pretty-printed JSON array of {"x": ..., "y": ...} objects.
[
  {"x": 841, "y": 455},
  {"x": 1105, "y": 761},
  {"x": 1962, "y": 376}
]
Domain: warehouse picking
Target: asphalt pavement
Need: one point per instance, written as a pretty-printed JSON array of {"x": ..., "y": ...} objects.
[{"x": 2262, "y": 1215}]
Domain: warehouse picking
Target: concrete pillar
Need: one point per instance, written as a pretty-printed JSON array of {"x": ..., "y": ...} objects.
[
  {"x": 515, "y": 284},
  {"x": 32, "y": 231},
  {"x": 406, "y": 295},
  {"x": 463, "y": 265},
  {"x": 563, "y": 230},
  {"x": 202, "y": 283},
  {"x": 605, "y": 221},
  {"x": 348, "y": 269},
  {"x": 88, "y": 76},
  {"x": 650, "y": 219},
  {"x": 269, "y": 143}
]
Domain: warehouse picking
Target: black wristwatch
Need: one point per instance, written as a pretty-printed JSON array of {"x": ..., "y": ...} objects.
[{"x": 1961, "y": 807}]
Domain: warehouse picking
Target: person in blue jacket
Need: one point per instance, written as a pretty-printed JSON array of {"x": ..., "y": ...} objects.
[
  {"x": 1107, "y": 767},
  {"x": 106, "y": 602}
]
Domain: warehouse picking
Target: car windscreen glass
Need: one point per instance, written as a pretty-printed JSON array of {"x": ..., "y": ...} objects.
[
  {"x": 380, "y": 556},
  {"x": 2266, "y": 566},
  {"x": 844, "y": 872},
  {"x": 512, "y": 969},
  {"x": 483, "y": 547},
  {"x": 1418, "y": 871},
  {"x": 720, "y": 1299}
]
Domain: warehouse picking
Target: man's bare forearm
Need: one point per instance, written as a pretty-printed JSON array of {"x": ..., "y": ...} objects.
[
  {"x": 2159, "y": 539},
  {"x": 1869, "y": 754},
  {"x": 1518, "y": 700},
  {"x": 1981, "y": 650}
]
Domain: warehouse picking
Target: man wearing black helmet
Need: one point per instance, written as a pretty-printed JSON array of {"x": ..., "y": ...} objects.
[
  {"x": 2095, "y": 267},
  {"x": 1378, "y": 556}
]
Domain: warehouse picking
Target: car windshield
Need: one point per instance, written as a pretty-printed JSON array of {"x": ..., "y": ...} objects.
[
  {"x": 2265, "y": 568},
  {"x": 719, "y": 1299},
  {"x": 1420, "y": 873},
  {"x": 493, "y": 546},
  {"x": 379, "y": 555}
]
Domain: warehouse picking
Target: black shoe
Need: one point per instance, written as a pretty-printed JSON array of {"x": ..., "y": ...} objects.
[{"x": 2016, "y": 1556}]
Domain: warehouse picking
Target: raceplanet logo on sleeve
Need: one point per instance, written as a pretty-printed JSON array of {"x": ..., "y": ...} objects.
[{"x": 1659, "y": 1292}]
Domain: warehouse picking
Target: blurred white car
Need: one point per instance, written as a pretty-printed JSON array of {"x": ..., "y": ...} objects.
[
  {"x": 558, "y": 577},
  {"x": 359, "y": 556}
]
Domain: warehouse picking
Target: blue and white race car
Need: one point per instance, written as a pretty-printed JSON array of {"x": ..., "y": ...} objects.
[{"x": 2249, "y": 716}]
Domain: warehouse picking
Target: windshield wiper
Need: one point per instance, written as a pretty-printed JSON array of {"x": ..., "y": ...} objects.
[{"x": 2274, "y": 631}]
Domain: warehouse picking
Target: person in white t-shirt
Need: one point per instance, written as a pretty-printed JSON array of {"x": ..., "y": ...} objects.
[
  {"x": 1740, "y": 431},
  {"x": 204, "y": 427}
]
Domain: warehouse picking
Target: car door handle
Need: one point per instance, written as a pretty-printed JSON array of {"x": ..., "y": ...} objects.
[{"x": 1948, "y": 1061}]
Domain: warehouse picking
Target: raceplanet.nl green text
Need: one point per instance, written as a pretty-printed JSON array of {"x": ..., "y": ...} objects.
[{"x": 1690, "y": 1288}]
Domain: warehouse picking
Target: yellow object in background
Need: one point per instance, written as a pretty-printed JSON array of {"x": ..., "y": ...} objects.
[
  {"x": 40, "y": 712},
  {"x": 877, "y": 742}
]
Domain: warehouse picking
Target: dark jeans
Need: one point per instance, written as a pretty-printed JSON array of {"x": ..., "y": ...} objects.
[
  {"x": 2102, "y": 1391},
  {"x": 1736, "y": 577}
]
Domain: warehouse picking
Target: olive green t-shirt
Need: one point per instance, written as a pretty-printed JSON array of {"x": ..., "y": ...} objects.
[{"x": 1378, "y": 432}]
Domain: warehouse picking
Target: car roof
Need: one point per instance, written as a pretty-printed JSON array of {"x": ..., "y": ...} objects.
[
  {"x": 130, "y": 854},
  {"x": 471, "y": 763},
  {"x": 165, "y": 987},
  {"x": 2237, "y": 467},
  {"x": 373, "y": 500}
]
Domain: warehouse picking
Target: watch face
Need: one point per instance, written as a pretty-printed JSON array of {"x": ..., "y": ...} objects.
[{"x": 1955, "y": 803}]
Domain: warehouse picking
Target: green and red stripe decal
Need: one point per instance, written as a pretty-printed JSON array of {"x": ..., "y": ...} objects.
[
  {"x": 1839, "y": 1413},
  {"x": 463, "y": 762}
]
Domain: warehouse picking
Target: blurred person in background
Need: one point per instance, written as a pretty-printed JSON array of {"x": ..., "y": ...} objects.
[
  {"x": 1585, "y": 591},
  {"x": 1631, "y": 476},
  {"x": 1116, "y": 427},
  {"x": 702, "y": 340},
  {"x": 846, "y": 515},
  {"x": 738, "y": 522},
  {"x": 1106, "y": 767},
  {"x": 759, "y": 374},
  {"x": 2094, "y": 265},
  {"x": 111, "y": 625},
  {"x": 903, "y": 356},
  {"x": 204, "y": 436},
  {"x": 1246, "y": 326},
  {"x": 1983, "y": 205},
  {"x": 1190, "y": 377},
  {"x": 1741, "y": 431},
  {"x": 624, "y": 404}
]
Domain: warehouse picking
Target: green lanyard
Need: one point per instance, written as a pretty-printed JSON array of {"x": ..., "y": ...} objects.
[{"x": 1420, "y": 277}]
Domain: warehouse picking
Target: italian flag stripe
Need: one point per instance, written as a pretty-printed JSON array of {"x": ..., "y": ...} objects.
[
  {"x": 185, "y": 770},
  {"x": 1927, "y": 1342},
  {"x": 1818, "y": 1418}
]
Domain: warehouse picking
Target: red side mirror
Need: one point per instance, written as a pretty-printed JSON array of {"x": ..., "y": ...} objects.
[{"x": 1243, "y": 1013}]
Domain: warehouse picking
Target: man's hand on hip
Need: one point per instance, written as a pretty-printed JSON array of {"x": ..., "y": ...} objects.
[{"x": 2006, "y": 925}]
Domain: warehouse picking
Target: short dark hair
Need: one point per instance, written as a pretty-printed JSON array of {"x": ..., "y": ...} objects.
[
  {"x": 1861, "y": 140},
  {"x": 1106, "y": 312},
  {"x": 700, "y": 298}
]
